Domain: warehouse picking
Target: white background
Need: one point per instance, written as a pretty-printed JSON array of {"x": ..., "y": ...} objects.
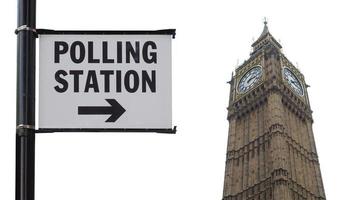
[{"x": 211, "y": 37}]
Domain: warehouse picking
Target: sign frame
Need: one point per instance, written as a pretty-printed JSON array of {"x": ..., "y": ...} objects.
[{"x": 171, "y": 32}]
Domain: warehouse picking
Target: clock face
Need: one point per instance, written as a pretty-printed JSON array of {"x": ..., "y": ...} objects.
[
  {"x": 293, "y": 81},
  {"x": 249, "y": 79}
]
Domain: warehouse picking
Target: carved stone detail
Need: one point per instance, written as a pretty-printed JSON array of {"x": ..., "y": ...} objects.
[{"x": 271, "y": 152}]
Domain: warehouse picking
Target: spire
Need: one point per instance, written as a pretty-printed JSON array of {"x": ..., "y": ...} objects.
[
  {"x": 265, "y": 30},
  {"x": 265, "y": 35}
]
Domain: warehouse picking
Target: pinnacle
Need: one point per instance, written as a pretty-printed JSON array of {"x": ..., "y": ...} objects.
[
  {"x": 265, "y": 30},
  {"x": 265, "y": 34}
]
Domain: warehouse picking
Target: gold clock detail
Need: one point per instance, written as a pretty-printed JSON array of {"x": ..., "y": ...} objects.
[
  {"x": 293, "y": 81},
  {"x": 249, "y": 79}
]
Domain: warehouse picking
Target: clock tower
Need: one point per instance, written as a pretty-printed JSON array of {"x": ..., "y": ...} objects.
[{"x": 271, "y": 152}]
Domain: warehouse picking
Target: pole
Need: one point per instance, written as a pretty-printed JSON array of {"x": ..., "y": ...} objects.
[{"x": 25, "y": 100}]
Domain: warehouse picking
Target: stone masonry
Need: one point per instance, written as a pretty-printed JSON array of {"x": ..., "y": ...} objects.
[{"x": 271, "y": 152}]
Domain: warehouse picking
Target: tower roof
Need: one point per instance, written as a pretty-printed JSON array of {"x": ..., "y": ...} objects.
[
  {"x": 265, "y": 30},
  {"x": 266, "y": 34}
]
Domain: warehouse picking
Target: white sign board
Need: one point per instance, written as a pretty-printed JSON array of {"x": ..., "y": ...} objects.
[{"x": 93, "y": 81}]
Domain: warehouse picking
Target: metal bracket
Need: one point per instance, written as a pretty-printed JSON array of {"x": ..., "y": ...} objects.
[
  {"x": 25, "y": 28},
  {"x": 25, "y": 130},
  {"x": 95, "y": 130},
  {"x": 25, "y": 126}
]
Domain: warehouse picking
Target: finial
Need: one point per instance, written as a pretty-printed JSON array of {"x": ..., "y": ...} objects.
[
  {"x": 266, "y": 29},
  {"x": 265, "y": 21}
]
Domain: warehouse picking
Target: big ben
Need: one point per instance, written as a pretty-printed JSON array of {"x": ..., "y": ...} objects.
[{"x": 271, "y": 152}]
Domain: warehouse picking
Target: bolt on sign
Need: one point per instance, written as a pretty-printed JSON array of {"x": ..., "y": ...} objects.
[{"x": 105, "y": 80}]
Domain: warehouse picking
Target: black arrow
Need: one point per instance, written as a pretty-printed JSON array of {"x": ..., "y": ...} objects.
[{"x": 115, "y": 110}]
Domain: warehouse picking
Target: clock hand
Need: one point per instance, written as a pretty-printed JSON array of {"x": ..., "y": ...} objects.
[
  {"x": 296, "y": 84},
  {"x": 251, "y": 78},
  {"x": 293, "y": 81}
]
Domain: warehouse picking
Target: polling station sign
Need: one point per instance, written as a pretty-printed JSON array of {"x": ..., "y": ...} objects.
[{"x": 105, "y": 80}]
